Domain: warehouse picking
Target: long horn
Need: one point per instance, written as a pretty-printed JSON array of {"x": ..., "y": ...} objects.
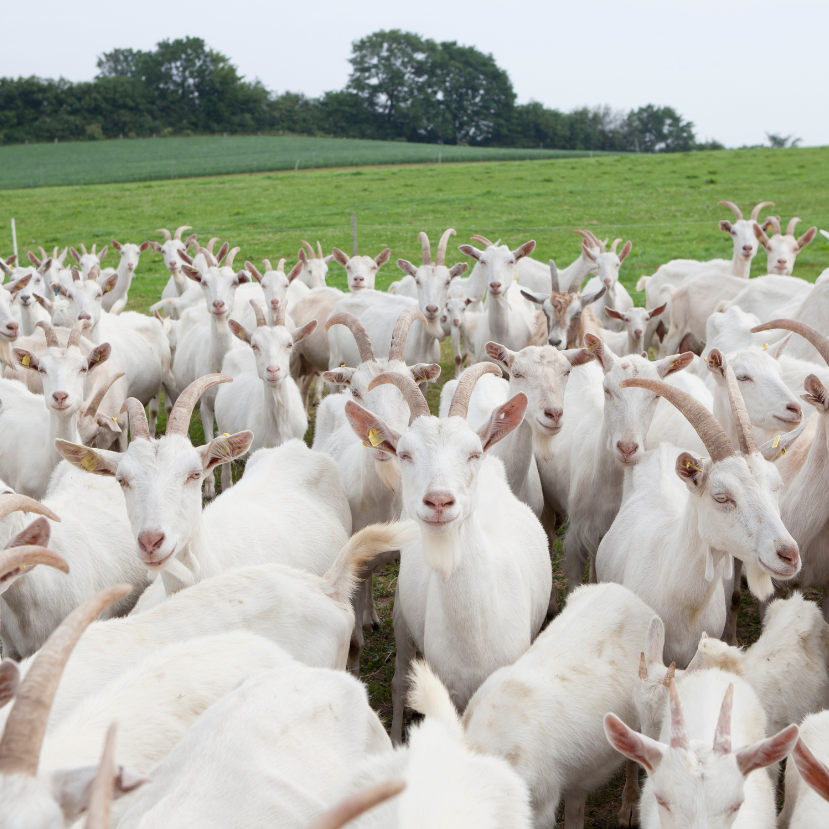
[
  {"x": 613, "y": 246},
  {"x": 15, "y": 558},
  {"x": 755, "y": 214},
  {"x": 208, "y": 256},
  {"x": 722, "y": 736},
  {"x": 679, "y": 734},
  {"x": 51, "y": 336},
  {"x": 228, "y": 263},
  {"x": 281, "y": 310},
  {"x": 440, "y": 259},
  {"x": 179, "y": 231},
  {"x": 83, "y": 249},
  {"x": 26, "y": 725},
  {"x": 358, "y": 330},
  {"x": 425, "y": 247},
  {"x": 259, "y": 314},
  {"x": 814, "y": 336},
  {"x": 738, "y": 214},
  {"x": 92, "y": 408},
  {"x": 554, "y": 278},
  {"x": 178, "y": 423},
  {"x": 12, "y": 502},
  {"x": 354, "y": 806},
  {"x": 222, "y": 253},
  {"x": 139, "y": 428},
  {"x": 401, "y": 331},
  {"x": 590, "y": 238},
  {"x": 166, "y": 233},
  {"x": 745, "y": 433},
  {"x": 791, "y": 226},
  {"x": 410, "y": 390},
  {"x": 482, "y": 240},
  {"x": 774, "y": 221},
  {"x": 311, "y": 254},
  {"x": 705, "y": 424},
  {"x": 100, "y": 796},
  {"x": 75, "y": 334},
  {"x": 319, "y": 250},
  {"x": 466, "y": 383}
]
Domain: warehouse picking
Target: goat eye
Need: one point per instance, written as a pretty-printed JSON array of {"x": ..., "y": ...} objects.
[
  {"x": 662, "y": 803},
  {"x": 743, "y": 378},
  {"x": 255, "y": 347},
  {"x": 475, "y": 456},
  {"x": 123, "y": 483},
  {"x": 290, "y": 345},
  {"x": 721, "y": 498},
  {"x": 194, "y": 476},
  {"x": 516, "y": 375},
  {"x": 405, "y": 456}
]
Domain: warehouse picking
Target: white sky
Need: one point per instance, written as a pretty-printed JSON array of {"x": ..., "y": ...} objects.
[{"x": 736, "y": 68}]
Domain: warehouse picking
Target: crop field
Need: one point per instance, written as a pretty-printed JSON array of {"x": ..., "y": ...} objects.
[
  {"x": 148, "y": 159},
  {"x": 666, "y": 205}
]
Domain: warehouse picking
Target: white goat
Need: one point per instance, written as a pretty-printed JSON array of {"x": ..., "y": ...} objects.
[
  {"x": 494, "y": 264},
  {"x": 314, "y": 265},
  {"x": 177, "y": 284},
  {"x": 533, "y": 274},
  {"x": 616, "y": 297},
  {"x": 634, "y": 322},
  {"x": 87, "y": 261},
  {"x": 361, "y": 271},
  {"x": 673, "y": 545},
  {"x": 806, "y": 805},
  {"x": 782, "y": 249},
  {"x": 694, "y": 781},
  {"x": 278, "y": 286},
  {"x": 475, "y": 588},
  {"x": 32, "y": 302},
  {"x": 115, "y": 300}
]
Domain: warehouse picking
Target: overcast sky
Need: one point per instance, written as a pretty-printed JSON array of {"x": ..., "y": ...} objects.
[{"x": 736, "y": 68}]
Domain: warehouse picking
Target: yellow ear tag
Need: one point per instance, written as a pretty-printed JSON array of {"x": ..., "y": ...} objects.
[
  {"x": 776, "y": 442},
  {"x": 783, "y": 450},
  {"x": 367, "y": 445},
  {"x": 593, "y": 347},
  {"x": 765, "y": 346},
  {"x": 114, "y": 419},
  {"x": 107, "y": 289},
  {"x": 225, "y": 435},
  {"x": 689, "y": 465},
  {"x": 26, "y": 360},
  {"x": 342, "y": 365},
  {"x": 89, "y": 463},
  {"x": 96, "y": 357},
  {"x": 375, "y": 437},
  {"x": 673, "y": 357}
]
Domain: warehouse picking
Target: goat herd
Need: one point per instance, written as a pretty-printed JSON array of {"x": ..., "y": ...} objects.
[{"x": 204, "y": 650}]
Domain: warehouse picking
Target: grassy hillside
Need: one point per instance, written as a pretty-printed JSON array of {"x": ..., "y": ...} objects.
[
  {"x": 667, "y": 205},
  {"x": 148, "y": 159}
]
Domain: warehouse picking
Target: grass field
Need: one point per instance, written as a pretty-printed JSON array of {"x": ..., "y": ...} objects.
[
  {"x": 148, "y": 159},
  {"x": 667, "y": 205}
]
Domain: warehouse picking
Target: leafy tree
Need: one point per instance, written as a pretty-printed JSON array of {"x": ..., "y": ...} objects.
[
  {"x": 653, "y": 129},
  {"x": 780, "y": 142}
]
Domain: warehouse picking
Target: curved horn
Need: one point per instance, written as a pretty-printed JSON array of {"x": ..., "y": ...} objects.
[
  {"x": 705, "y": 424},
  {"x": 280, "y": 265},
  {"x": 738, "y": 214},
  {"x": 178, "y": 423},
  {"x": 259, "y": 314},
  {"x": 679, "y": 733},
  {"x": 745, "y": 434},
  {"x": 281, "y": 310},
  {"x": 401, "y": 331},
  {"x": 613, "y": 246},
  {"x": 228, "y": 263},
  {"x": 208, "y": 256},
  {"x": 354, "y": 806},
  {"x": 13, "y": 558},
  {"x": 791, "y": 226},
  {"x": 410, "y": 390},
  {"x": 211, "y": 243},
  {"x": 466, "y": 383},
  {"x": 100, "y": 394},
  {"x": 179, "y": 231},
  {"x": 814, "y": 336},
  {"x": 83, "y": 249},
  {"x": 425, "y": 247},
  {"x": 774, "y": 221},
  {"x": 358, "y": 330},
  {"x": 100, "y": 796},
  {"x": 51, "y": 336},
  {"x": 75, "y": 334},
  {"x": 266, "y": 263},
  {"x": 12, "y": 502},
  {"x": 222, "y": 253},
  {"x": 755, "y": 214},
  {"x": 440, "y": 259},
  {"x": 554, "y": 278},
  {"x": 722, "y": 736},
  {"x": 482, "y": 240},
  {"x": 139, "y": 428},
  {"x": 26, "y": 725},
  {"x": 591, "y": 239},
  {"x": 319, "y": 250},
  {"x": 311, "y": 254}
]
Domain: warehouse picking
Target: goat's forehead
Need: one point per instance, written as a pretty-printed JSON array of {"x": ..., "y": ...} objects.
[
  {"x": 266, "y": 337},
  {"x": 754, "y": 362},
  {"x": 169, "y": 453},
  {"x": 631, "y": 366},
  {"x": 453, "y": 433},
  {"x": 535, "y": 360},
  {"x": 745, "y": 472}
]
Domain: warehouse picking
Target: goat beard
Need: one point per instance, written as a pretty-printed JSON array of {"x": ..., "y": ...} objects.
[
  {"x": 389, "y": 474},
  {"x": 543, "y": 446},
  {"x": 759, "y": 581},
  {"x": 441, "y": 553}
]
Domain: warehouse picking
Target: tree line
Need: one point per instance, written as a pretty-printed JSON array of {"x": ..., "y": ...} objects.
[{"x": 402, "y": 87}]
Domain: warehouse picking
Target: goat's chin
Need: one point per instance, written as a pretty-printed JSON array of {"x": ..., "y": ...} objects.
[
  {"x": 543, "y": 446},
  {"x": 441, "y": 553},
  {"x": 389, "y": 474},
  {"x": 759, "y": 582}
]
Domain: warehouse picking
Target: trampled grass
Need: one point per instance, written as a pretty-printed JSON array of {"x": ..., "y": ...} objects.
[{"x": 148, "y": 159}]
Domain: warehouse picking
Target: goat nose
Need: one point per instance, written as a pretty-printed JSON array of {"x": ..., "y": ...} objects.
[
  {"x": 788, "y": 554},
  {"x": 218, "y": 304},
  {"x": 781, "y": 261},
  {"x": 59, "y": 397},
  {"x": 555, "y": 343},
  {"x": 438, "y": 500},
  {"x": 637, "y": 334},
  {"x": 494, "y": 285},
  {"x": 432, "y": 310},
  {"x": 607, "y": 281},
  {"x": 795, "y": 409},
  {"x": 747, "y": 248},
  {"x": 84, "y": 315},
  {"x": 11, "y": 327},
  {"x": 359, "y": 279},
  {"x": 627, "y": 450},
  {"x": 150, "y": 540},
  {"x": 274, "y": 304},
  {"x": 554, "y": 415}
]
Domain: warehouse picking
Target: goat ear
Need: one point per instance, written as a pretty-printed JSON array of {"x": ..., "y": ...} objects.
[
  {"x": 294, "y": 272},
  {"x": 500, "y": 354},
  {"x": 9, "y": 681},
  {"x": 143, "y": 246},
  {"x": 370, "y": 429},
  {"x": 75, "y": 255},
  {"x": 625, "y": 251},
  {"x": 339, "y": 376},
  {"x": 813, "y": 771},
  {"x": 33, "y": 259},
  {"x": 725, "y": 227},
  {"x": 816, "y": 394},
  {"x": 657, "y": 311},
  {"x": 407, "y": 267},
  {"x": 671, "y": 365},
  {"x": 761, "y": 236},
  {"x": 774, "y": 449},
  {"x": 612, "y": 312},
  {"x": 25, "y": 359},
  {"x": 103, "y": 253},
  {"x": 768, "y": 751},
  {"x": 239, "y": 331},
  {"x": 43, "y": 302},
  {"x": 14, "y": 287},
  {"x": 468, "y": 250},
  {"x": 96, "y": 461},
  {"x": 328, "y": 258},
  {"x": 191, "y": 272},
  {"x": 224, "y": 449},
  {"x": 525, "y": 250},
  {"x": 116, "y": 245},
  {"x": 242, "y": 277},
  {"x": 457, "y": 270},
  {"x": 109, "y": 284},
  {"x": 341, "y": 257},
  {"x": 504, "y": 419},
  {"x": 36, "y": 534},
  {"x": 655, "y": 642},
  {"x": 99, "y": 355},
  {"x": 72, "y": 788},
  {"x": 578, "y": 356},
  {"x": 44, "y": 266},
  {"x": 303, "y": 332},
  {"x": 382, "y": 257},
  {"x": 110, "y": 423},
  {"x": 692, "y": 471},
  {"x": 425, "y": 372},
  {"x": 538, "y": 299},
  {"x": 777, "y": 349},
  {"x": 600, "y": 351},
  {"x": 631, "y": 744},
  {"x": 716, "y": 363},
  {"x": 806, "y": 238}
]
